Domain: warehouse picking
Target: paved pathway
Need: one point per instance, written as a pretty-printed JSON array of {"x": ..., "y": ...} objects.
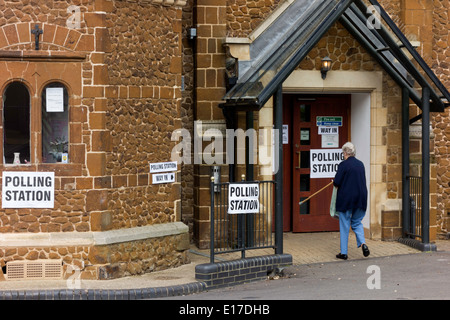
[
  {"x": 323, "y": 246},
  {"x": 305, "y": 248}
]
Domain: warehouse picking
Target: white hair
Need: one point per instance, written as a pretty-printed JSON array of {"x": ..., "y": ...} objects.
[{"x": 349, "y": 149}]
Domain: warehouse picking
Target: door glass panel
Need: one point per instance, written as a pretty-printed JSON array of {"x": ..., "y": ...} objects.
[
  {"x": 305, "y": 136},
  {"x": 304, "y": 182},
  {"x": 55, "y": 123},
  {"x": 305, "y": 113},
  {"x": 304, "y": 159},
  {"x": 304, "y": 208}
]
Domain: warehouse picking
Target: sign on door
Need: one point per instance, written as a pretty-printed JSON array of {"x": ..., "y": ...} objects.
[{"x": 324, "y": 162}]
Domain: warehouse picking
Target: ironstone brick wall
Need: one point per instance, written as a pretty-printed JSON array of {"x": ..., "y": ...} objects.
[
  {"x": 123, "y": 111},
  {"x": 187, "y": 113},
  {"x": 210, "y": 18},
  {"x": 244, "y": 16},
  {"x": 143, "y": 109},
  {"x": 122, "y": 66}
]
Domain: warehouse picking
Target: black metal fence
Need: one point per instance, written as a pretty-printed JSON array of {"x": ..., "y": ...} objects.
[
  {"x": 234, "y": 232},
  {"x": 414, "y": 229}
]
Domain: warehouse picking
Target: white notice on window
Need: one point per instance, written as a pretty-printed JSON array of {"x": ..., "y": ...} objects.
[
  {"x": 285, "y": 134},
  {"x": 55, "y": 99},
  {"x": 330, "y": 141}
]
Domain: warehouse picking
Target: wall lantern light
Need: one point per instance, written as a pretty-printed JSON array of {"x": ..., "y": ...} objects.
[{"x": 326, "y": 66}]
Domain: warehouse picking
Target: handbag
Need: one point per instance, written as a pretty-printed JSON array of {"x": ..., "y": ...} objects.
[{"x": 333, "y": 212}]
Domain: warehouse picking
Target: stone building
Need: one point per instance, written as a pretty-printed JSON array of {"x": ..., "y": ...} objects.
[
  {"x": 230, "y": 41},
  {"x": 94, "y": 90},
  {"x": 91, "y": 91}
]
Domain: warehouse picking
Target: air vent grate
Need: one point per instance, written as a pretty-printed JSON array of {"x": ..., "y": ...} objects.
[{"x": 36, "y": 269}]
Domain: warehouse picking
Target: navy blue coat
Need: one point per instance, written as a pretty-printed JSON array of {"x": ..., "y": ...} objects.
[{"x": 351, "y": 182}]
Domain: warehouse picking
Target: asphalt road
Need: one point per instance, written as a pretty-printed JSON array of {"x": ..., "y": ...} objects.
[{"x": 421, "y": 276}]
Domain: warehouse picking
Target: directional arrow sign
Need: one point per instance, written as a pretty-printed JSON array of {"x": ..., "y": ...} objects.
[{"x": 163, "y": 178}]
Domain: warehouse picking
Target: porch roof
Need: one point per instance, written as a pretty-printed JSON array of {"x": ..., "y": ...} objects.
[{"x": 377, "y": 33}]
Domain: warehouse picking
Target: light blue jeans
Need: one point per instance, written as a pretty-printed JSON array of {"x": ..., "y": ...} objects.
[{"x": 351, "y": 218}]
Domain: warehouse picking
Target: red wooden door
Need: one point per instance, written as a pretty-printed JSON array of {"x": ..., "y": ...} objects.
[{"x": 314, "y": 215}]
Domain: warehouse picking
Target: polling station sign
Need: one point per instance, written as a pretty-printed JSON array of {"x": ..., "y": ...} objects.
[
  {"x": 163, "y": 167},
  {"x": 243, "y": 198},
  {"x": 325, "y": 162},
  {"x": 28, "y": 189}
]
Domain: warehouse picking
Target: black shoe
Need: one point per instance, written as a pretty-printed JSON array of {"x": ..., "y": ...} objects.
[
  {"x": 342, "y": 256},
  {"x": 365, "y": 250}
]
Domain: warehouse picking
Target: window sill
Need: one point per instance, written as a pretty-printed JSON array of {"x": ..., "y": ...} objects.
[{"x": 60, "y": 169}]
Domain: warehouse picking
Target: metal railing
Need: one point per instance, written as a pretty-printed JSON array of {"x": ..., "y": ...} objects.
[
  {"x": 415, "y": 207},
  {"x": 241, "y": 232}
]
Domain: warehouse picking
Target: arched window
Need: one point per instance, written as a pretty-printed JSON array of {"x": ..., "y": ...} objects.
[
  {"x": 55, "y": 123},
  {"x": 16, "y": 123}
]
